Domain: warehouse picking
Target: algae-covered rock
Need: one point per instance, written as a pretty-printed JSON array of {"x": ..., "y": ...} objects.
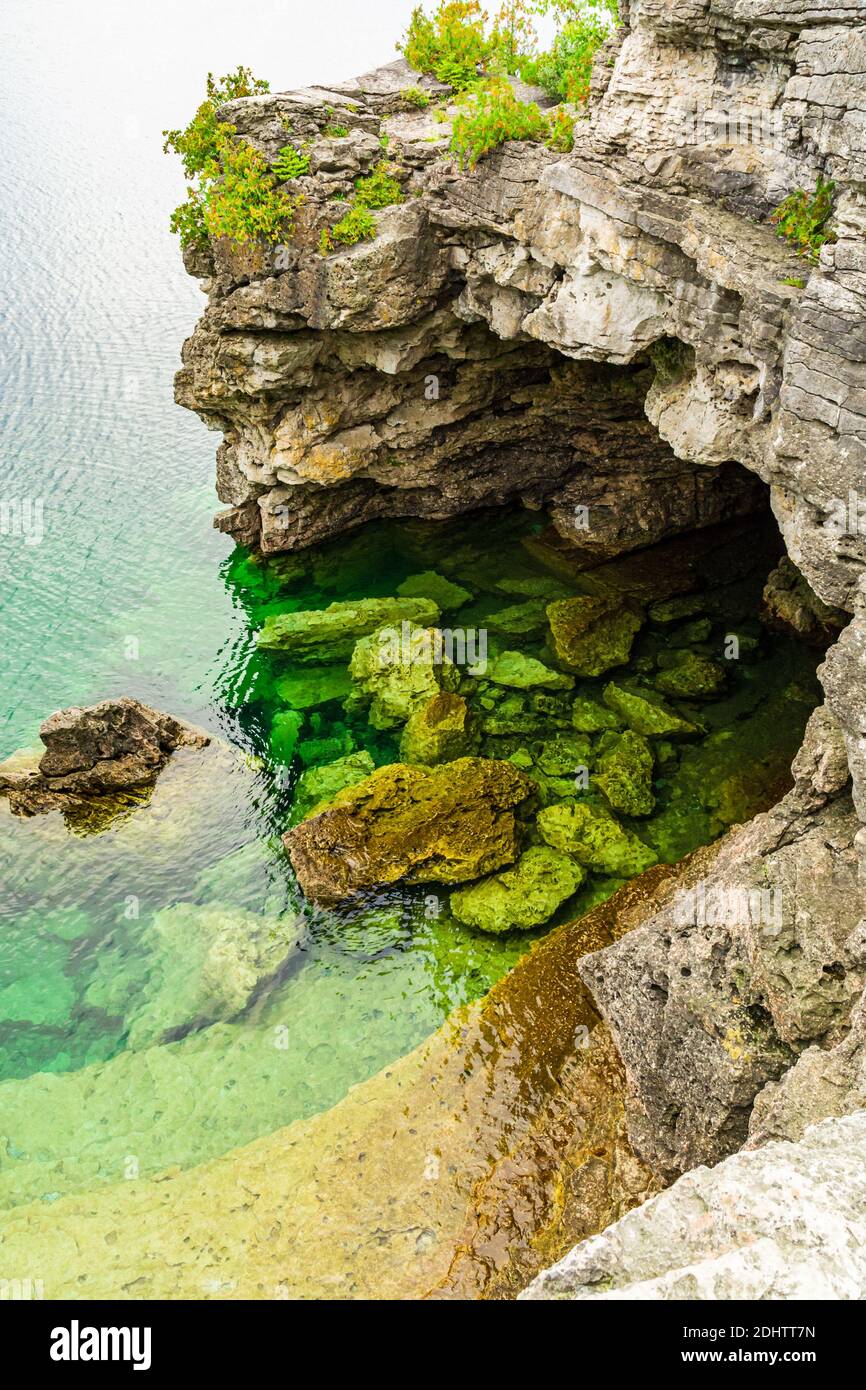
[
  {"x": 328, "y": 748},
  {"x": 526, "y": 673},
  {"x": 329, "y": 634},
  {"x": 644, "y": 717},
  {"x": 396, "y": 677},
  {"x": 522, "y": 897},
  {"x": 205, "y": 963},
  {"x": 445, "y": 824},
  {"x": 285, "y": 732},
  {"x": 624, "y": 773},
  {"x": 308, "y": 689},
  {"x": 565, "y": 755},
  {"x": 690, "y": 676},
  {"x": 593, "y": 632},
  {"x": 319, "y": 785},
  {"x": 438, "y": 731},
  {"x": 444, "y": 593},
  {"x": 520, "y": 619},
  {"x": 590, "y": 717},
  {"x": 595, "y": 838}
]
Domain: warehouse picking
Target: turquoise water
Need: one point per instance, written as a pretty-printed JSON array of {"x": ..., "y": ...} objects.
[{"x": 131, "y": 591}]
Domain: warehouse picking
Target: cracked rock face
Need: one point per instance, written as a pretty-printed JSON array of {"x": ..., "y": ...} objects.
[
  {"x": 615, "y": 333},
  {"x": 786, "y": 1222}
]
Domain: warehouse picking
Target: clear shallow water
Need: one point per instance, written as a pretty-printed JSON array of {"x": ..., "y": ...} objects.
[{"x": 131, "y": 591}]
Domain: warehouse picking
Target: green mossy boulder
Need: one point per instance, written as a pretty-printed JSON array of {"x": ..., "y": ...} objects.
[
  {"x": 519, "y": 619},
  {"x": 624, "y": 773},
  {"x": 593, "y": 632},
  {"x": 396, "y": 678},
  {"x": 689, "y": 676},
  {"x": 595, "y": 838},
  {"x": 327, "y": 749},
  {"x": 526, "y": 673},
  {"x": 590, "y": 717},
  {"x": 329, "y": 634},
  {"x": 644, "y": 717},
  {"x": 319, "y": 785},
  {"x": 409, "y": 824},
  {"x": 438, "y": 731},
  {"x": 564, "y": 755},
  {"x": 308, "y": 689},
  {"x": 285, "y": 732},
  {"x": 445, "y": 594},
  {"x": 521, "y": 897}
]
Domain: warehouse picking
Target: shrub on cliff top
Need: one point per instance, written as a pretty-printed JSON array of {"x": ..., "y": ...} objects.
[
  {"x": 451, "y": 44},
  {"x": 497, "y": 115},
  {"x": 233, "y": 192}
]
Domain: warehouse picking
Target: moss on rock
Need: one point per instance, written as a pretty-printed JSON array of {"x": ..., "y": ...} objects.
[
  {"x": 593, "y": 632},
  {"x": 522, "y": 897},
  {"x": 624, "y": 773},
  {"x": 396, "y": 677},
  {"x": 595, "y": 838},
  {"x": 438, "y": 731},
  {"x": 446, "y": 824},
  {"x": 690, "y": 676},
  {"x": 644, "y": 717},
  {"x": 526, "y": 673},
  {"x": 329, "y": 634}
]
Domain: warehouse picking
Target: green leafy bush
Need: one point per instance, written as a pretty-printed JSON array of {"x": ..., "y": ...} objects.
[
  {"x": 335, "y": 132},
  {"x": 560, "y": 126},
  {"x": 291, "y": 164},
  {"x": 496, "y": 116},
  {"x": 358, "y": 224},
  {"x": 234, "y": 191},
  {"x": 452, "y": 44},
  {"x": 413, "y": 96},
  {"x": 379, "y": 189},
  {"x": 566, "y": 70},
  {"x": 803, "y": 219}
]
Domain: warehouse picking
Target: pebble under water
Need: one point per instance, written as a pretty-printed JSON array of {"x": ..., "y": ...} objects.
[{"x": 134, "y": 1027}]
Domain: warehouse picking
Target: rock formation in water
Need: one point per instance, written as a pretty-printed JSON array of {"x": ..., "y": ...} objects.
[
  {"x": 617, "y": 332},
  {"x": 103, "y": 751}
]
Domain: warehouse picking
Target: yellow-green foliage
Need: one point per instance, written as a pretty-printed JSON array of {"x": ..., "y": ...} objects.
[
  {"x": 451, "y": 44},
  {"x": 413, "y": 96},
  {"x": 379, "y": 188},
  {"x": 496, "y": 115},
  {"x": 358, "y": 224},
  {"x": 803, "y": 219},
  {"x": 233, "y": 192},
  {"x": 291, "y": 164},
  {"x": 566, "y": 70}
]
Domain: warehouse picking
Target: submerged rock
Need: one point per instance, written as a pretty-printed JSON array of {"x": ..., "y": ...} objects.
[
  {"x": 526, "y": 673},
  {"x": 396, "y": 678},
  {"x": 302, "y": 690},
  {"x": 329, "y": 634},
  {"x": 205, "y": 964},
  {"x": 690, "y": 676},
  {"x": 447, "y": 824},
  {"x": 439, "y": 731},
  {"x": 444, "y": 592},
  {"x": 593, "y": 633},
  {"x": 624, "y": 773},
  {"x": 103, "y": 750},
  {"x": 644, "y": 717},
  {"x": 595, "y": 838},
  {"x": 317, "y": 786},
  {"x": 785, "y": 1222},
  {"x": 522, "y": 897},
  {"x": 591, "y": 717}
]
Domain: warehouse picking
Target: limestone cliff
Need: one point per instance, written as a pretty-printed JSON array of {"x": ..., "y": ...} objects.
[{"x": 618, "y": 329}]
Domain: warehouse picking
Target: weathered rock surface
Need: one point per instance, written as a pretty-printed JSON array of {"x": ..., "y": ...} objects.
[
  {"x": 445, "y": 824},
  {"x": 98, "y": 752},
  {"x": 757, "y": 956},
  {"x": 786, "y": 1222}
]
